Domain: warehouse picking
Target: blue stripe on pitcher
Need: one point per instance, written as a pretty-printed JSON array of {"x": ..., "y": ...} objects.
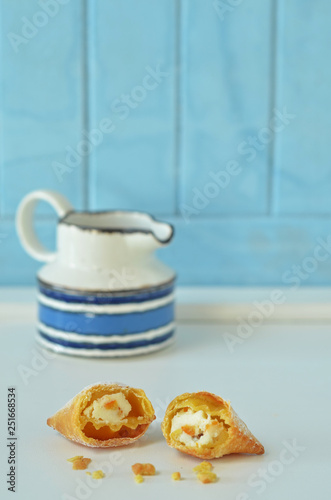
[
  {"x": 107, "y": 298},
  {"x": 110, "y": 345},
  {"x": 106, "y": 324},
  {"x": 105, "y": 339}
]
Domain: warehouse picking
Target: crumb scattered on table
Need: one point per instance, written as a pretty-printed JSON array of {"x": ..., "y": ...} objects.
[
  {"x": 203, "y": 467},
  {"x": 98, "y": 474},
  {"x": 204, "y": 474},
  {"x": 143, "y": 469},
  {"x": 207, "y": 477},
  {"x": 138, "y": 478},
  {"x": 79, "y": 462},
  {"x": 176, "y": 476},
  {"x": 73, "y": 459}
]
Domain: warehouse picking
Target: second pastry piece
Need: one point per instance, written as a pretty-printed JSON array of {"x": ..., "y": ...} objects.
[
  {"x": 204, "y": 425},
  {"x": 105, "y": 415}
]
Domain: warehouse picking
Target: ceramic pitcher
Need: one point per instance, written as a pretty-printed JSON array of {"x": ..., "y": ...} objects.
[{"x": 103, "y": 292}]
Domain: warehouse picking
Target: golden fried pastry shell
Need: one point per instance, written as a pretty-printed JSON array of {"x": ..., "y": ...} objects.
[
  {"x": 234, "y": 436},
  {"x": 74, "y": 424}
]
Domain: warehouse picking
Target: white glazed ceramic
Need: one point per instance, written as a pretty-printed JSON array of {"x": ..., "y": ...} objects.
[{"x": 103, "y": 292}]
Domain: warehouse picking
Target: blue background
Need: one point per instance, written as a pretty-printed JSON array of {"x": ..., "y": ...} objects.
[{"x": 230, "y": 70}]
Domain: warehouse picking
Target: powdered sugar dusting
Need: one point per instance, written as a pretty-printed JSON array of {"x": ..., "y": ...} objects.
[{"x": 88, "y": 388}]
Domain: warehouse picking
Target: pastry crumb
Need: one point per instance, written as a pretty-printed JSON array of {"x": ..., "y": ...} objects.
[
  {"x": 73, "y": 459},
  {"x": 143, "y": 469},
  {"x": 176, "y": 476},
  {"x": 138, "y": 478},
  {"x": 79, "y": 462},
  {"x": 207, "y": 477},
  {"x": 203, "y": 467},
  {"x": 88, "y": 473},
  {"x": 98, "y": 474}
]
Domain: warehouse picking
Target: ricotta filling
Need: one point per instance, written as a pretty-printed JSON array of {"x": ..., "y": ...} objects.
[
  {"x": 109, "y": 409},
  {"x": 197, "y": 428}
]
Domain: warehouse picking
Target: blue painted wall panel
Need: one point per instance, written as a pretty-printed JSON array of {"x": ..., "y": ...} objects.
[
  {"x": 252, "y": 251},
  {"x": 132, "y": 68},
  {"x": 41, "y": 99},
  {"x": 226, "y": 63},
  {"x": 227, "y": 76},
  {"x": 16, "y": 267},
  {"x": 302, "y": 161}
]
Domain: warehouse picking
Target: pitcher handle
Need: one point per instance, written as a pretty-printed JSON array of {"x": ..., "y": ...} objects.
[{"x": 24, "y": 221}]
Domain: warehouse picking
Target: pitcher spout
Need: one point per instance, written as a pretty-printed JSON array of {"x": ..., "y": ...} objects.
[
  {"x": 162, "y": 232},
  {"x": 136, "y": 232}
]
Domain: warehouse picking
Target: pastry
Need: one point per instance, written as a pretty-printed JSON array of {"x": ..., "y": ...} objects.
[
  {"x": 105, "y": 415},
  {"x": 204, "y": 425}
]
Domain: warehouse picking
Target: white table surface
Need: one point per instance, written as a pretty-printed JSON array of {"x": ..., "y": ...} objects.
[{"x": 278, "y": 380}]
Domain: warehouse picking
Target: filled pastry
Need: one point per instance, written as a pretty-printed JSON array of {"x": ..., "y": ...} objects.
[
  {"x": 204, "y": 425},
  {"x": 105, "y": 415}
]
